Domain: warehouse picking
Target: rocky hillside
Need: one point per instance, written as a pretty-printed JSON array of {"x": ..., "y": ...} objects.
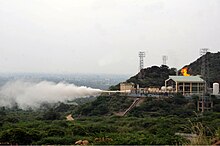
[{"x": 194, "y": 68}]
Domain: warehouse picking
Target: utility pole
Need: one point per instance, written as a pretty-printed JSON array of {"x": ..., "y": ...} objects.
[
  {"x": 205, "y": 67},
  {"x": 164, "y": 58},
  {"x": 141, "y": 56},
  {"x": 205, "y": 102}
]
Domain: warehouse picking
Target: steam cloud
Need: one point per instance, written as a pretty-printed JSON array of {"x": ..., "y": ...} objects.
[{"x": 32, "y": 95}]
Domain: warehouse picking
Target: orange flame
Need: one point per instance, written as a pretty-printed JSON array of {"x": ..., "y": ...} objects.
[{"x": 184, "y": 71}]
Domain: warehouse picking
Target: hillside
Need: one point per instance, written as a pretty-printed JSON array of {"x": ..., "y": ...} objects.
[
  {"x": 105, "y": 105},
  {"x": 155, "y": 76},
  {"x": 153, "y": 122},
  {"x": 150, "y": 77},
  {"x": 194, "y": 68},
  {"x": 108, "y": 105}
]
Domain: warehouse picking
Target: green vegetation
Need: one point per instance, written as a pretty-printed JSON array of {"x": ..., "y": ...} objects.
[
  {"x": 152, "y": 76},
  {"x": 155, "y": 121},
  {"x": 156, "y": 107},
  {"x": 105, "y": 105}
]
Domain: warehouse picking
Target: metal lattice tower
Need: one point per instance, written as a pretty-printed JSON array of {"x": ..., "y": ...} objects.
[
  {"x": 164, "y": 58},
  {"x": 205, "y": 66},
  {"x": 141, "y": 55},
  {"x": 205, "y": 102}
]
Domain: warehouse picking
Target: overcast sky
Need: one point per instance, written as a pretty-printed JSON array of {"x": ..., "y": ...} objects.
[{"x": 104, "y": 36}]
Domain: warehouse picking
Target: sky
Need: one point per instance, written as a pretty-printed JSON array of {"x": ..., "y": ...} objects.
[{"x": 104, "y": 36}]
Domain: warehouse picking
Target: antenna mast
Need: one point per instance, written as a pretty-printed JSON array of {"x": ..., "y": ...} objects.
[
  {"x": 141, "y": 56},
  {"x": 164, "y": 58},
  {"x": 205, "y": 102},
  {"x": 205, "y": 66}
]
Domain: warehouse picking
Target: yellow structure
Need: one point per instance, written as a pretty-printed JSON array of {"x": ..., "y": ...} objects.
[
  {"x": 126, "y": 86},
  {"x": 186, "y": 84}
]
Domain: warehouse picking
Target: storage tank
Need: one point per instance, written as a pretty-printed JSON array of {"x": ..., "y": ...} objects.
[
  {"x": 215, "y": 88},
  {"x": 170, "y": 88},
  {"x": 163, "y": 88}
]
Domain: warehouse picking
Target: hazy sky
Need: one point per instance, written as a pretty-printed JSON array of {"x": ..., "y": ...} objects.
[{"x": 104, "y": 36}]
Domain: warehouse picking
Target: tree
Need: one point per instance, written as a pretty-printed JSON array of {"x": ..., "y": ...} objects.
[
  {"x": 16, "y": 136},
  {"x": 179, "y": 99},
  {"x": 51, "y": 115},
  {"x": 2, "y": 115},
  {"x": 216, "y": 107}
]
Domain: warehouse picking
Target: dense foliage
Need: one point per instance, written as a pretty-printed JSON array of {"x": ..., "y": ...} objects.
[
  {"x": 150, "y": 77},
  {"x": 155, "y": 121},
  {"x": 105, "y": 105}
]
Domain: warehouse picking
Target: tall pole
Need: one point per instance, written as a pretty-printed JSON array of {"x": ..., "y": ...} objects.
[
  {"x": 164, "y": 58},
  {"x": 205, "y": 67},
  {"x": 141, "y": 56},
  {"x": 204, "y": 74}
]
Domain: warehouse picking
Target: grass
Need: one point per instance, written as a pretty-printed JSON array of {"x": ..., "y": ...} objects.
[{"x": 201, "y": 131}]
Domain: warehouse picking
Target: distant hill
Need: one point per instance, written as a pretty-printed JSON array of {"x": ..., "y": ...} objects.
[
  {"x": 155, "y": 76},
  {"x": 194, "y": 68},
  {"x": 150, "y": 77}
]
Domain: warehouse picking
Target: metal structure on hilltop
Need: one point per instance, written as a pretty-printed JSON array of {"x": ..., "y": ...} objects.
[
  {"x": 164, "y": 58},
  {"x": 141, "y": 56},
  {"x": 205, "y": 66},
  {"x": 204, "y": 102}
]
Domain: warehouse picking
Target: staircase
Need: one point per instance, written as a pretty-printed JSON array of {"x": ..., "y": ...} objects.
[{"x": 136, "y": 102}]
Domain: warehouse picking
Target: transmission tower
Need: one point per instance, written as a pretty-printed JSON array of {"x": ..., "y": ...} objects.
[
  {"x": 164, "y": 58},
  {"x": 205, "y": 66},
  {"x": 141, "y": 55},
  {"x": 205, "y": 102}
]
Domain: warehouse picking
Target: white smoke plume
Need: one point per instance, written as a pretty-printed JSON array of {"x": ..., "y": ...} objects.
[{"x": 32, "y": 95}]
